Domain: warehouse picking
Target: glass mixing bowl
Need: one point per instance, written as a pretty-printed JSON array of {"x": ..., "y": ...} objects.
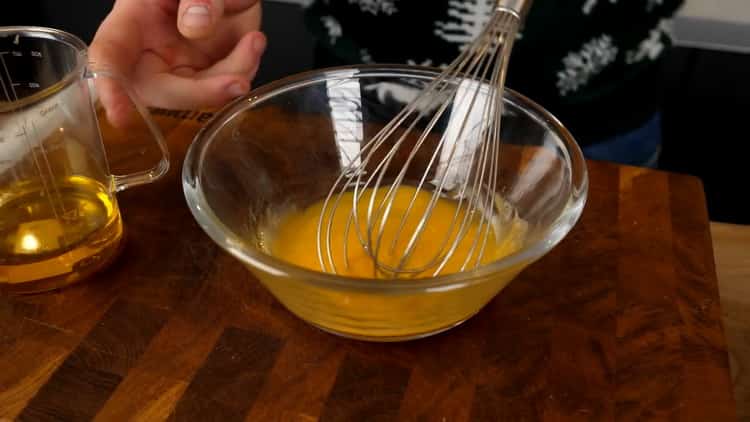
[{"x": 283, "y": 145}]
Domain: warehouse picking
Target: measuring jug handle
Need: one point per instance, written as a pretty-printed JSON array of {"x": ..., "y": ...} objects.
[{"x": 126, "y": 181}]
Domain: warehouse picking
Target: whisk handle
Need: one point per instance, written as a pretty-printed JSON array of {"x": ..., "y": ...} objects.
[{"x": 521, "y": 7}]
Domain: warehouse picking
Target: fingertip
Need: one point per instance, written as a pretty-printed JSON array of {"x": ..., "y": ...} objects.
[
  {"x": 195, "y": 22},
  {"x": 121, "y": 116},
  {"x": 236, "y": 89},
  {"x": 113, "y": 99},
  {"x": 258, "y": 47},
  {"x": 259, "y": 43},
  {"x": 225, "y": 89},
  {"x": 244, "y": 59},
  {"x": 197, "y": 18},
  {"x": 253, "y": 43}
]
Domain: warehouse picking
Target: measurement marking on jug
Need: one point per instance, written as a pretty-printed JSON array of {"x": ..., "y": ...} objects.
[
  {"x": 36, "y": 54},
  {"x": 50, "y": 179},
  {"x": 45, "y": 156},
  {"x": 2, "y": 80},
  {"x": 33, "y": 85}
]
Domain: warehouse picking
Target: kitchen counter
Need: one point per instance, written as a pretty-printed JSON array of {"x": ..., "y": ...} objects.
[
  {"x": 732, "y": 251},
  {"x": 621, "y": 321}
]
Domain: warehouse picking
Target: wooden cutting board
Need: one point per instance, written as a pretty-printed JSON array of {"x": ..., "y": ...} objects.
[{"x": 620, "y": 322}]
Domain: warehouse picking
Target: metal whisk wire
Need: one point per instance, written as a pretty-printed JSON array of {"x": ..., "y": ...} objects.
[{"x": 464, "y": 82}]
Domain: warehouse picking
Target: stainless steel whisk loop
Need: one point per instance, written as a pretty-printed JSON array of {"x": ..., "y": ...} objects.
[{"x": 464, "y": 165}]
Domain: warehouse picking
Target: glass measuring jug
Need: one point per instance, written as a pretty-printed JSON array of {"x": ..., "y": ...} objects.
[{"x": 59, "y": 218}]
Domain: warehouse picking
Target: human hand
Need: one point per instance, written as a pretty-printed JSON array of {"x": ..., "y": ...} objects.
[{"x": 183, "y": 54}]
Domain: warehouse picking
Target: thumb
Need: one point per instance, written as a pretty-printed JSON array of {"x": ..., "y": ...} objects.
[{"x": 197, "y": 18}]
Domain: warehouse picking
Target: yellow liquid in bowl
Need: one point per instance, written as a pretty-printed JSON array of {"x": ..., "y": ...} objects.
[
  {"x": 388, "y": 314},
  {"x": 478, "y": 240}
]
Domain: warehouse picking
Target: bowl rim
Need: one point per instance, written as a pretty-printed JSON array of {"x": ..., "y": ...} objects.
[{"x": 233, "y": 244}]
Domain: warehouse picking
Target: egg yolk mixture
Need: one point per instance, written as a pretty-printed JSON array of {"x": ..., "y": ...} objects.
[{"x": 295, "y": 237}]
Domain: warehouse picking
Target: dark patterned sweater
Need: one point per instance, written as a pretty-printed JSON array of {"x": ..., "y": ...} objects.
[{"x": 592, "y": 63}]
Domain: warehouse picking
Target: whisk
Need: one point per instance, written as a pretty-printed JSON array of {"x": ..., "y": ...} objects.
[{"x": 472, "y": 87}]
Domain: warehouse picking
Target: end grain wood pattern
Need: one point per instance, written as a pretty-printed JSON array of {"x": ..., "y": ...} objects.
[{"x": 621, "y": 321}]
